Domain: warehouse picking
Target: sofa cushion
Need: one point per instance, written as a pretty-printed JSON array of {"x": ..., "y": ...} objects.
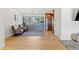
[{"x": 15, "y": 26}]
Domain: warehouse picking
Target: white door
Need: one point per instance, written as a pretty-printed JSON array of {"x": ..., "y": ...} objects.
[{"x": 46, "y": 24}]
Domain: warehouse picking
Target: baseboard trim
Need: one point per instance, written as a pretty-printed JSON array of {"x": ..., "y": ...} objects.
[{"x": 8, "y": 36}]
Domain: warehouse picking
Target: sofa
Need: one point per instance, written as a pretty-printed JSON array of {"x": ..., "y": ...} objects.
[
  {"x": 75, "y": 37},
  {"x": 19, "y": 29}
]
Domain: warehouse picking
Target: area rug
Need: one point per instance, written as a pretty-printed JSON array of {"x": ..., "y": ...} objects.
[
  {"x": 70, "y": 45},
  {"x": 33, "y": 33}
]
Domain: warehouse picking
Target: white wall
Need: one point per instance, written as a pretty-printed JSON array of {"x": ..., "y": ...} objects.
[
  {"x": 2, "y": 41},
  {"x": 74, "y": 13},
  {"x": 34, "y": 11},
  {"x": 57, "y": 21},
  {"x": 9, "y": 20},
  {"x": 67, "y": 25},
  {"x": 10, "y": 12}
]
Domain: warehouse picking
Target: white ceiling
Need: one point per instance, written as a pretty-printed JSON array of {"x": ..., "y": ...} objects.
[{"x": 26, "y": 11}]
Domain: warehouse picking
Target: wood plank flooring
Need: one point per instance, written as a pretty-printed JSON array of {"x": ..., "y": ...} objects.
[{"x": 46, "y": 42}]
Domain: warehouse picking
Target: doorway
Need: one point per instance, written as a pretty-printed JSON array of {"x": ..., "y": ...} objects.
[
  {"x": 49, "y": 20},
  {"x": 34, "y": 22},
  {"x": 35, "y": 25}
]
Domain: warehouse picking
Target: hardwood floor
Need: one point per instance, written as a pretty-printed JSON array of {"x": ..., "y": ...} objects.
[{"x": 46, "y": 42}]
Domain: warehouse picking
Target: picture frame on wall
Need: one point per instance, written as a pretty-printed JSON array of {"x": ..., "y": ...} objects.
[
  {"x": 16, "y": 17},
  {"x": 75, "y": 14}
]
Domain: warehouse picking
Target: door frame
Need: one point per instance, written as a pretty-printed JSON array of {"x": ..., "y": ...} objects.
[
  {"x": 52, "y": 22},
  {"x": 44, "y": 28}
]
